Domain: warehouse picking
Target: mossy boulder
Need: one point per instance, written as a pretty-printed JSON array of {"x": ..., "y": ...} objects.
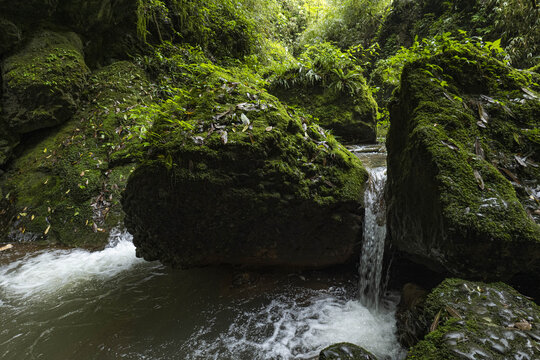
[
  {"x": 345, "y": 351},
  {"x": 329, "y": 85},
  {"x": 65, "y": 185},
  {"x": 473, "y": 320},
  {"x": 42, "y": 82},
  {"x": 464, "y": 166},
  {"x": 233, "y": 176},
  {"x": 352, "y": 118}
]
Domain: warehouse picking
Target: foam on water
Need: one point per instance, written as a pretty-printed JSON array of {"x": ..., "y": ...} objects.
[
  {"x": 112, "y": 289},
  {"x": 300, "y": 326},
  {"x": 50, "y": 271}
]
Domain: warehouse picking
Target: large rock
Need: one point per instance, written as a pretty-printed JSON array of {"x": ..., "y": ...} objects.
[
  {"x": 42, "y": 83},
  {"x": 64, "y": 186},
  {"x": 472, "y": 320},
  {"x": 464, "y": 166},
  {"x": 232, "y": 176}
]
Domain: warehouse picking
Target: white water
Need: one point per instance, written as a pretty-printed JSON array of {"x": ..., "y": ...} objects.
[
  {"x": 372, "y": 253},
  {"x": 108, "y": 304},
  {"x": 50, "y": 271}
]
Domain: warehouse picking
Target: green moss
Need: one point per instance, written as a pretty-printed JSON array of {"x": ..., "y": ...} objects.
[
  {"x": 474, "y": 317},
  {"x": 327, "y": 84},
  {"x": 460, "y": 125},
  {"x": 226, "y": 158},
  {"x": 65, "y": 181},
  {"x": 43, "y": 81}
]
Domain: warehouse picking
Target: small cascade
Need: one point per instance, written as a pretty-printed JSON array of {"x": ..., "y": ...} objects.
[{"x": 371, "y": 258}]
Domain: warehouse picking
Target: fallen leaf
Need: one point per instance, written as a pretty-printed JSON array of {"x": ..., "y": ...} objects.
[
  {"x": 529, "y": 92},
  {"x": 7, "y": 247},
  {"x": 245, "y": 119},
  {"x": 479, "y": 179},
  {"x": 483, "y": 114},
  {"x": 199, "y": 140},
  {"x": 450, "y": 146},
  {"x": 521, "y": 161},
  {"x": 511, "y": 175},
  {"x": 481, "y": 124},
  {"x": 224, "y": 137},
  {"x": 435, "y": 322},
  {"x": 47, "y": 230},
  {"x": 478, "y": 148},
  {"x": 523, "y": 325},
  {"x": 453, "y": 312}
]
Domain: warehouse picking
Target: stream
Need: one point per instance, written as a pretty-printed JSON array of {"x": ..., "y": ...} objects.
[{"x": 76, "y": 304}]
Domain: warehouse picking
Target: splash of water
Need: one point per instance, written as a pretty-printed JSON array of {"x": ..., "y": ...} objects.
[
  {"x": 371, "y": 258},
  {"x": 49, "y": 271}
]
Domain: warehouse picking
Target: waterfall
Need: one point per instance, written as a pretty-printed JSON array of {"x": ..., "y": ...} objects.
[{"x": 371, "y": 258}]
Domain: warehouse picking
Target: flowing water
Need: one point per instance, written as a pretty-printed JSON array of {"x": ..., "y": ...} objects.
[
  {"x": 76, "y": 304},
  {"x": 371, "y": 258}
]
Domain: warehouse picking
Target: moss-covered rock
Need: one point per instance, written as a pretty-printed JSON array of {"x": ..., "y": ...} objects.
[
  {"x": 463, "y": 166},
  {"x": 42, "y": 83},
  {"x": 328, "y": 84},
  {"x": 233, "y": 176},
  {"x": 345, "y": 351},
  {"x": 353, "y": 119},
  {"x": 64, "y": 187},
  {"x": 473, "y": 320}
]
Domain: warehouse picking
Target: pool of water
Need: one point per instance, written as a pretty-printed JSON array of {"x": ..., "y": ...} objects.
[{"x": 76, "y": 304}]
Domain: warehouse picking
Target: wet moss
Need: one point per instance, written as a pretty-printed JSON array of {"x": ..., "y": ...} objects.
[
  {"x": 477, "y": 319},
  {"x": 42, "y": 83},
  {"x": 456, "y": 175},
  {"x": 64, "y": 182}
]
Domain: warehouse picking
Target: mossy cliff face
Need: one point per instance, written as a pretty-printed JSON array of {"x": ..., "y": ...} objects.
[
  {"x": 463, "y": 167},
  {"x": 64, "y": 186},
  {"x": 473, "y": 320},
  {"x": 42, "y": 82},
  {"x": 232, "y": 176}
]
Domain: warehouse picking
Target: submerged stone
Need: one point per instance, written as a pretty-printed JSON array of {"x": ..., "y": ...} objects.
[
  {"x": 464, "y": 167},
  {"x": 346, "y": 351},
  {"x": 42, "y": 83},
  {"x": 237, "y": 178},
  {"x": 473, "y": 320}
]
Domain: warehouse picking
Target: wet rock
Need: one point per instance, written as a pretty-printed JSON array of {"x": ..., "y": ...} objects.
[
  {"x": 346, "y": 351},
  {"x": 456, "y": 167},
  {"x": 10, "y": 35},
  {"x": 412, "y": 297},
  {"x": 42, "y": 82},
  {"x": 65, "y": 187},
  {"x": 474, "y": 320},
  {"x": 241, "y": 180}
]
